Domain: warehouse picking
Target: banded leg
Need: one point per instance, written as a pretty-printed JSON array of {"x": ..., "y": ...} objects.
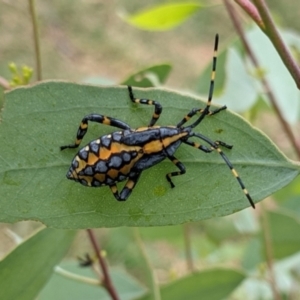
[
  {"x": 179, "y": 165},
  {"x": 195, "y": 111},
  {"x": 204, "y": 148},
  {"x": 215, "y": 146},
  {"x": 127, "y": 189},
  {"x": 83, "y": 127},
  {"x": 220, "y": 143},
  {"x": 157, "y": 106},
  {"x": 198, "y": 146}
]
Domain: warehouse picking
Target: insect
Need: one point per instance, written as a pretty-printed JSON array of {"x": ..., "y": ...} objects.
[{"x": 125, "y": 154}]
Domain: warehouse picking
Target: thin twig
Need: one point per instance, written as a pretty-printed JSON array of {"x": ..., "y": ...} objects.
[
  {"x": 76, "y": 277},
  {"x": 107, "y": 283},
  {"x": 152, "y": 278},
  {"x": 36, "y": 40},
  {"x": 269, "y": 253},
  {"x": 4, "y": 83},
  {"x": 267, "y": 89},
  {"x": 188, "y": 247}
]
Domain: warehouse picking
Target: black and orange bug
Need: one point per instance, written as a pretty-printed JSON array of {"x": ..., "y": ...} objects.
[{"x": 124, "y": 155}]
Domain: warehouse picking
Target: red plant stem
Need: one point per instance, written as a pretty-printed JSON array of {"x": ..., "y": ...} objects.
[
  {"x": 261, "y": 15},
  {"x": 107, "y": 283},
  {"x": 287, "y": 129},
  {"x": 252, "y": 11},
  {"x": 275, "y": 38}
]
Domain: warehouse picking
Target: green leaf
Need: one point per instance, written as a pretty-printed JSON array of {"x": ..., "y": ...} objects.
[
  {"x": 29, "y": 266},
  {"x": 163, "y": 17},
  {"x": 279, "y": 79},
  {"x": 219, "y": 229},
  {"x": 242, "y": 98},
  {"x": 60, "y": 287},
  {"x": 288, "y": 197},
  {"x": 37, "y": 120},
  {"x": 253, "y": 256},
  {"x": 149, "y": 77},
  {"x": 215, "y": 284},
  {"x": 284, "y": 229}
]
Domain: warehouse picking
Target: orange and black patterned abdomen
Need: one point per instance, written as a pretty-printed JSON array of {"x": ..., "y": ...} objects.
[{"x": 115, "y": 157}]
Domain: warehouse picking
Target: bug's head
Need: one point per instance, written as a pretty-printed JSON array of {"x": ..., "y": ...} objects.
[
  {"x": 87, "y": 168},
  {"x": 77, "y": 171},
  {"x": 71, "y": 174},
  {"x": 74, "y": 170}
]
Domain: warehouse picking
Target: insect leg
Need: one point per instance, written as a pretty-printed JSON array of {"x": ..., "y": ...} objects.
[
  {"x": 198, "y": 146},
  {"x": 157, "y": 106},
  {"x": 179, "y": 165},
  {"x": 204, "y": 148},
  {"x": 127, "y": 189},
  {"x": 194, "y": 111},
  {"x": 83, "y": 127},
  {"x": 215, "y": 146}
]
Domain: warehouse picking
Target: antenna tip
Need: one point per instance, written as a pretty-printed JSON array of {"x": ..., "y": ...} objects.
[
  {"x": 216, "y": 41},
  {"x": 251, "y": 201}
]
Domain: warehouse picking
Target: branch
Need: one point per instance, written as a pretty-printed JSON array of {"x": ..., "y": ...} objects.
[
  {"x": 188, "y": 247},
  {"x": 260, "y": 14},
  {"x": 107, "y": 283},
  {"x": 266, "y": 87},
  {"x": 267, "y": 239},
  {"x": 251, "y": 10},
  {"x": 4, "y": 83},
  {"x": 155, "y": 292}
]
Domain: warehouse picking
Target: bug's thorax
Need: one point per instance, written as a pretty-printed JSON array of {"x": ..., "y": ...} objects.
[{"x": 155, "y": 139}]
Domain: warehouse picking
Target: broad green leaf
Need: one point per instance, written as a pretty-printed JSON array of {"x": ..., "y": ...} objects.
[
  {"x": 149, "y": 77},
  {"x": 163, "y": 17},
  {"x": 37, "y": 120},
  {"x": 289, "y": 196},
  {"x": 239, "y": 92},
  {"x": 253, "y": 256},
  {"x": 28, "y": 267},
  {"x": 280, "y": 81},
  {"x": 215, "y": 284},
  {"x": 60, "y": 287},
  {"x": 284, "y": 230},
  {"x": 219, "y": 229},
  {"x": 284, "y": 239}
]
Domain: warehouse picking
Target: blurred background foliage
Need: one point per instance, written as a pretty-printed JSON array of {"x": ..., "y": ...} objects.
[{"x": 89, "y": 41}]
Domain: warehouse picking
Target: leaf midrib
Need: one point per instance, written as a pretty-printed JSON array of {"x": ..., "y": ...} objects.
[{"x": 289, "y": 164}]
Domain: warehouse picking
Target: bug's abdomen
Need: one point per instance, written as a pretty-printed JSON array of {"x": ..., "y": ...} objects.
[
  {"x": 104, "y": 161},
  {"x": 114, "y": 157}
]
